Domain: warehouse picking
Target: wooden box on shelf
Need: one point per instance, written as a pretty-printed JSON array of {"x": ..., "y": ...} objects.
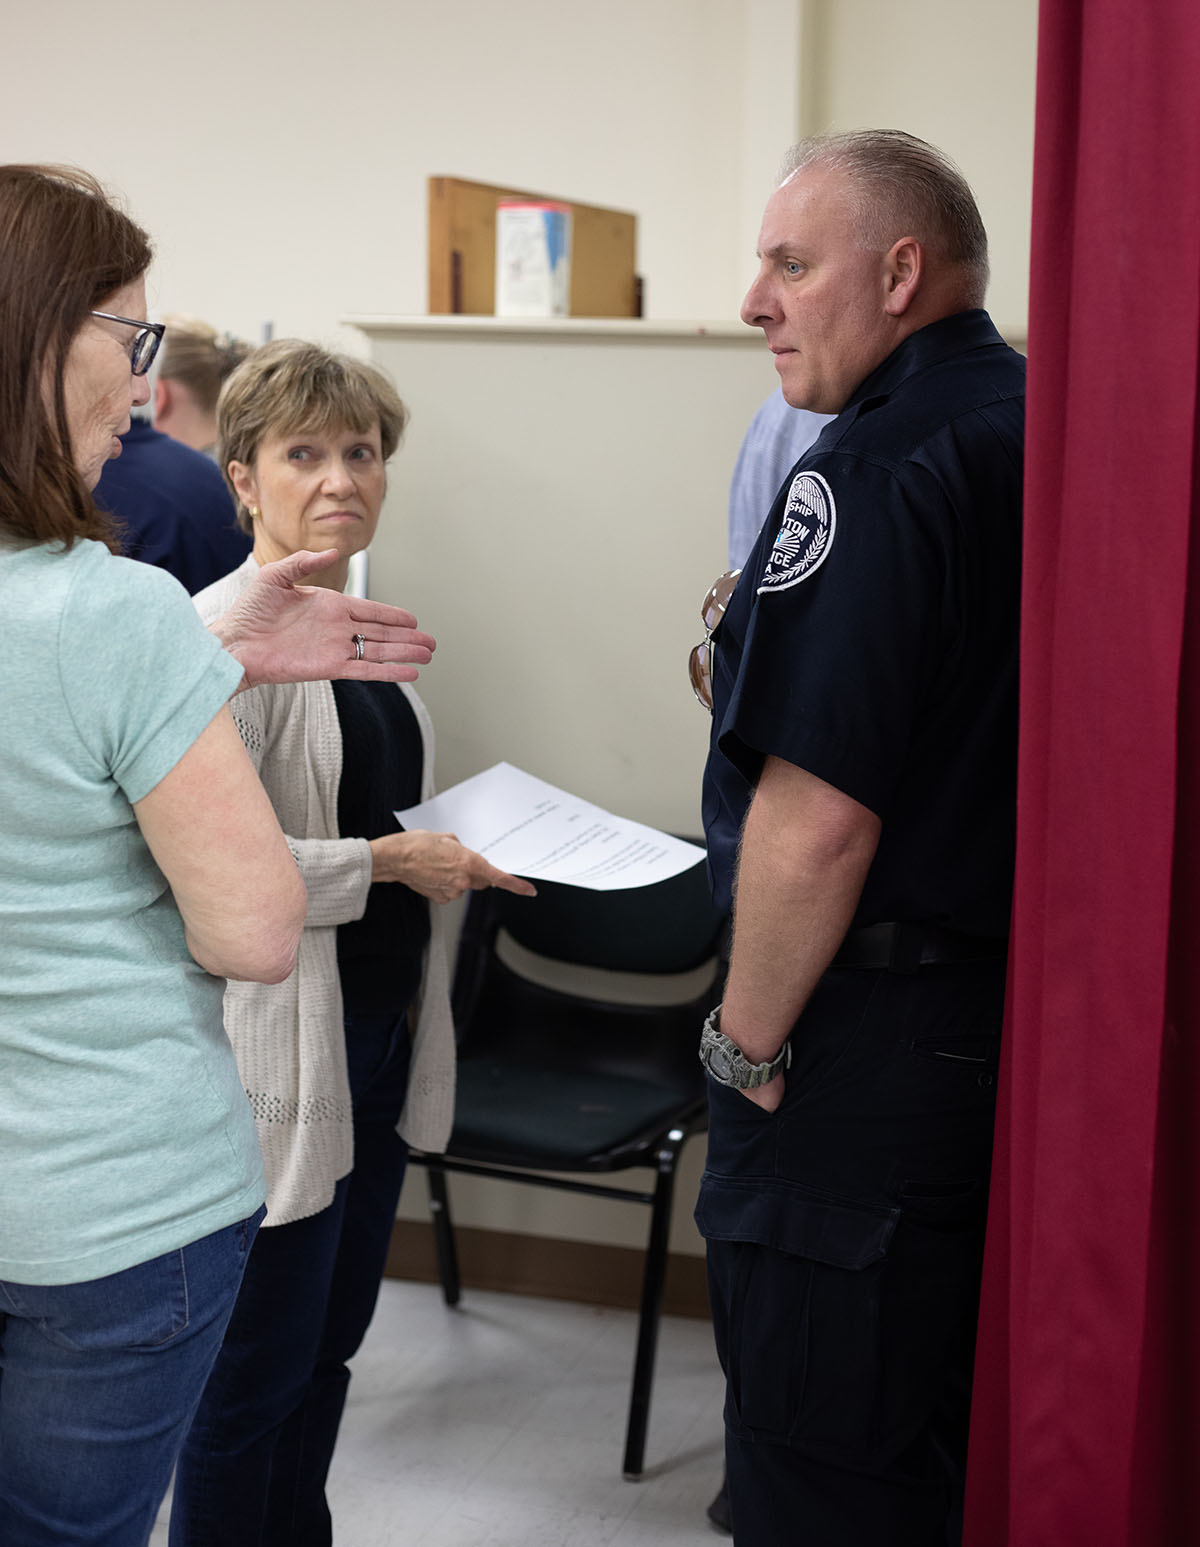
[{"x": 462, "y": 252}]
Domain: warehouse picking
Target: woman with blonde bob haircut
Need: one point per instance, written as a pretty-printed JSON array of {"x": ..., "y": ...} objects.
[
  {"x": 342, "y": 1068},
  {"x": 289, "y": 385}
]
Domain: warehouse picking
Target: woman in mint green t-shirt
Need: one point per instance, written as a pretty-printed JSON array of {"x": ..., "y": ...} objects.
[{"x": 141, "y": 866}]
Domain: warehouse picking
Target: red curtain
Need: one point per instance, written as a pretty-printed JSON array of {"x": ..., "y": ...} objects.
[{"x": 1086, "y": 1429}]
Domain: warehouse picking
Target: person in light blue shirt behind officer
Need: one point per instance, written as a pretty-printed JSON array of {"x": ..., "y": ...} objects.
[{"x": 778, "y": 437}]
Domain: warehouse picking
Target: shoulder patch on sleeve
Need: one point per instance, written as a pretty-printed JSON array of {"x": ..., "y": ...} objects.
[{"x": 805, "y": 534}]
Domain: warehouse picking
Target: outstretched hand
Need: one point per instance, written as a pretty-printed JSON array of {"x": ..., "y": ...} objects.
[
  {"x": 438, "y": 866},
  {"x": 282, "y": 630}
]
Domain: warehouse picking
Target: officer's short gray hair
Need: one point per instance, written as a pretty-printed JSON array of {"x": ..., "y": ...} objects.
[{"x": 903, "y": 186}]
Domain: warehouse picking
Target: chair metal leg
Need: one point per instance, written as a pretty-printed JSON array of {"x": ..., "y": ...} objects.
[
  {"x": 443, "y": 1235},
  {"x": 653, "y": 1281}
]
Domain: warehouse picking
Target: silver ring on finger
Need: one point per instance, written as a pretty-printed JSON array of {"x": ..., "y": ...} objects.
[{"x": 359, "y": 641}]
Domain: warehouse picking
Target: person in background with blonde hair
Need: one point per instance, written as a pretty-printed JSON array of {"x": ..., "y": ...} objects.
[{"x": 193, "y": 366}]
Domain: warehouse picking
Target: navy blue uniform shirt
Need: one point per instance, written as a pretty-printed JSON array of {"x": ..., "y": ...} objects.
[
  {"x": 173, "y": 508},
  {"x": 872, "y": 637}
]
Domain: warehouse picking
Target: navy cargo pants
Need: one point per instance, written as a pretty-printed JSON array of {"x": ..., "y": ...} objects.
[{"x": 845, "y": 1242}]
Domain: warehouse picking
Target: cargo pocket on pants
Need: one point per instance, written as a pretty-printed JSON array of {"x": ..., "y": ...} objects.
[{"x": 796, "y": 1280}]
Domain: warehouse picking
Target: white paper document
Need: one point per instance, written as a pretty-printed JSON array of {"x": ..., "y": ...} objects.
[{"x": 530, "y": 828}]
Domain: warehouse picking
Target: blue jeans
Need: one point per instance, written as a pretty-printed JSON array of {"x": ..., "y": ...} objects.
[
  {"x": 98, "y": 1383},
  {"x": 254, "y": 1464}
]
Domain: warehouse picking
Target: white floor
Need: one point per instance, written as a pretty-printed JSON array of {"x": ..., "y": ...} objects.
[{"x": 501, "y": 1424}]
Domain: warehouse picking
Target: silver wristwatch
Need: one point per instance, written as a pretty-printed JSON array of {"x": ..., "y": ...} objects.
[{"x": 728, "y": 1065}]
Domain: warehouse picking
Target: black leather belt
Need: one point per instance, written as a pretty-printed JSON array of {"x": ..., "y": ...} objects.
[{"x": 906, "y": 946}]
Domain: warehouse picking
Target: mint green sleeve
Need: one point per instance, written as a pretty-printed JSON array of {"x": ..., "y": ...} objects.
[{"x": 141, "y": 675}]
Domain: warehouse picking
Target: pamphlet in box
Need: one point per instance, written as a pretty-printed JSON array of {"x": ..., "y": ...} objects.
[{"x": 533, "y": 259}]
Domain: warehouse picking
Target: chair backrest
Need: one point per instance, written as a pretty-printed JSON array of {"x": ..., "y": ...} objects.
[
  {"x": 667, "y": 937},
  {"x": 669, "y": 927}
]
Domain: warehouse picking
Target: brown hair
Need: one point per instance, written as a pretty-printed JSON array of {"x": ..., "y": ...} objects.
[
  {"x": 201, "y": 358},
  {"x": 289, "y": 386},
  {"x": 904, "y": 187},
  {"x": 64, "y": 248}
]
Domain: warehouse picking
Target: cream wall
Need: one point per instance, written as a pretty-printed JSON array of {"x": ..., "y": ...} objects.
[
  {"x": 278, "y": 150},
  {"x": 555, "y": 518},
  {"x": 959, "y": 73}
]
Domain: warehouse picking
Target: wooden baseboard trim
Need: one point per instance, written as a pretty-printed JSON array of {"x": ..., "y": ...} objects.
[{"x": 583, "y": 1271}]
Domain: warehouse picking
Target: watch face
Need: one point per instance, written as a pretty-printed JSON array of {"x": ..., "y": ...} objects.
[{"x": 719, "y": 1063}]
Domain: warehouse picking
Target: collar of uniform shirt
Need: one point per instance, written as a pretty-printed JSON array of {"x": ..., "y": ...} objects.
[{"x": 930, "y": 345}]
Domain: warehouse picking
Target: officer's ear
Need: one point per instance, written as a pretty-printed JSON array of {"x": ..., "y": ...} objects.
[{"x": 904, "y": 269}]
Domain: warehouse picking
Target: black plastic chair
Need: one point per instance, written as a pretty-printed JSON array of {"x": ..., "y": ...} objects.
[{"x": 596, "y": 1076}]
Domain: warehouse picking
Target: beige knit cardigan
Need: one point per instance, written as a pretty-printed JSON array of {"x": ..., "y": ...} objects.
[{"x": 289, "y": 1037}]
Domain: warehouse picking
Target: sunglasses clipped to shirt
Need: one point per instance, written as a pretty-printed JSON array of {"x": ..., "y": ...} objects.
[{"x": 712, "y": 610}]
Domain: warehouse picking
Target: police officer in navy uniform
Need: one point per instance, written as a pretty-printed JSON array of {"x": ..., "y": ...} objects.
[{"x": 859, "y": 801}]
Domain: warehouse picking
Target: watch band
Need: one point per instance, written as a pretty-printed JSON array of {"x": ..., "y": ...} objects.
[{"x": 729, "y": 1066}]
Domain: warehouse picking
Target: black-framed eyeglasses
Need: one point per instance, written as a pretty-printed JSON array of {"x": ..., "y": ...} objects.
[
  {"x": 144, "y": 345},
  {"x": 712, "y": 610}
]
